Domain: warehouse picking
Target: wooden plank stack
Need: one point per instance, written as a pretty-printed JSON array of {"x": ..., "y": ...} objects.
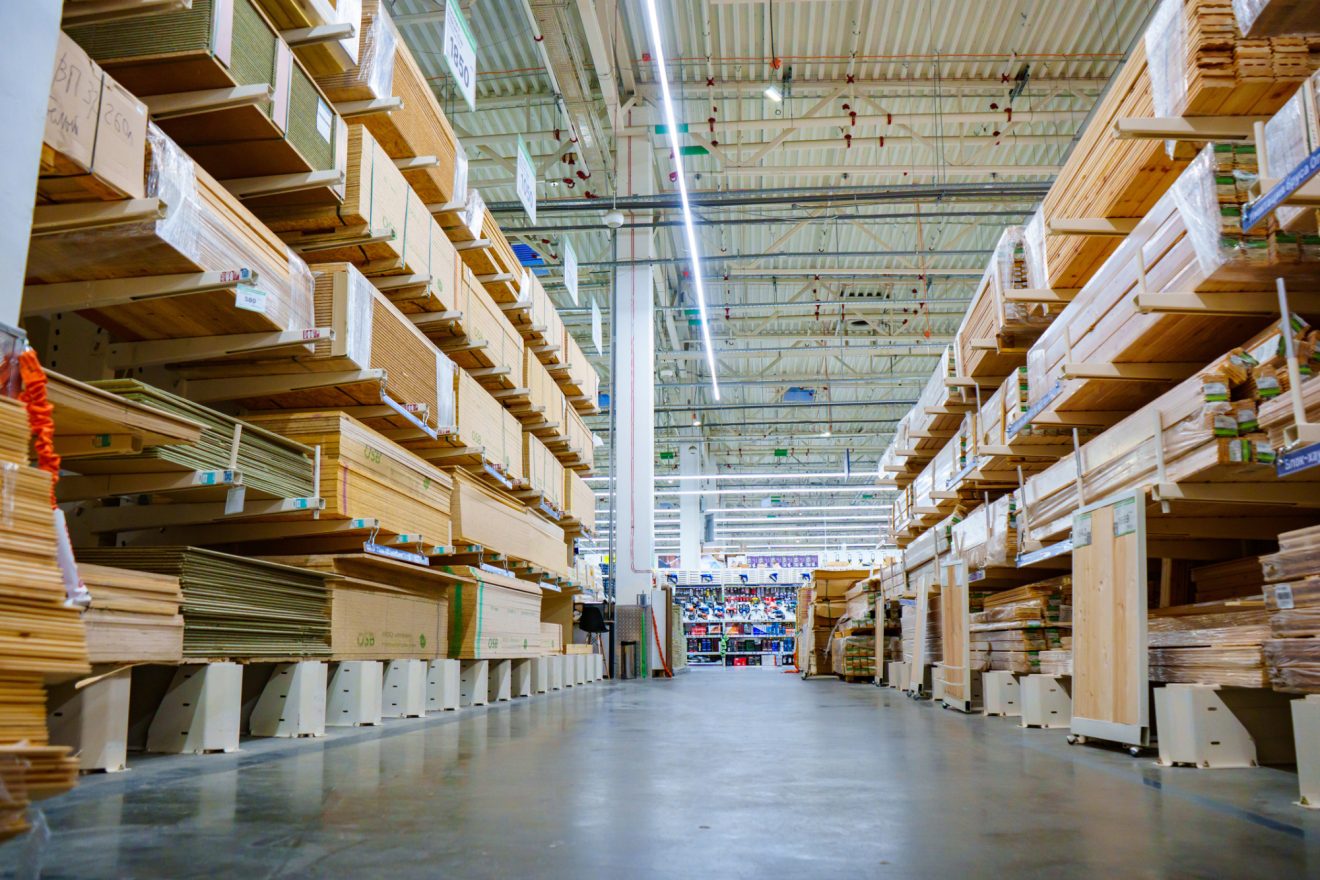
[
  {"x": 235, "y": 607},
  {"x": 486, "y": 517},
  {"x": 365, "y": 475},
  {"x": 134, "y": 616},
  {"x": 1213, "y": 643},
  {"x": 1014, "y": 627},
  {"x": 1235, "y": 579},
  {"x": 1198, "y": 66},
  {"x": 92, "y": 422},
  {"x": 493, "y": 615},
  {"x": 1292, "y": 598}
]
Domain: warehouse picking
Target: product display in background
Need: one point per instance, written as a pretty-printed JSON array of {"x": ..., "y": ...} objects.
[{"x": 750, "y": 622}]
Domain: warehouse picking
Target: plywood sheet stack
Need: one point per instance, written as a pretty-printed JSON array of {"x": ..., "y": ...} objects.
[
  {"x": 90, "y": 422},
  {"x": 487, "y": 517},
  {"x": 490, "y": 347},
  {"x": 368, "y": 333},
  {"x": 1292, "y": 599},
  {"x": 272, "y": 465},
  {"x": 365, "y": 475},
  {"x": 235, "y": 607},
  {"x": 197, "y": 226},
  {"x": 485, "y": 428},
  {"x": 1013, "y": 627},
  {"x": 1215, "y": 643},
  {"x": 1189, "y": 241},
  {"x": 133, "y": 617},
  {"x": 381, "y": 609},
  {"x": 539, "y": 322},
  {"x": 543, "y": 473},
  {"x": 1191, "y": 63},
  {"x": 40, "y": 635},
  {"x": 576, "y": 376},
  {"x": 386, "y": 69},
  {"x": 494, "y": 616},
  {"x": 579, "y": 502}
]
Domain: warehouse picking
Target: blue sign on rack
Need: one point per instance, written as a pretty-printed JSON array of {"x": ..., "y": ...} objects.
[
  {"x": 1298, "y": 460},
  {"x": 1258, "y": 210}
]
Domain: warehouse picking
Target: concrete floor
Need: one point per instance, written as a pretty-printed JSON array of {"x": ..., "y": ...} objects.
[{"x": 722, "y": 773}]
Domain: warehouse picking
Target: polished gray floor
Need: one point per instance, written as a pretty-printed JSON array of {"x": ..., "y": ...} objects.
[{"x": 737, "y": 773}]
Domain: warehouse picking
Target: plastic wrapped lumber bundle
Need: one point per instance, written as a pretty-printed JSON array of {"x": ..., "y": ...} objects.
[
  {"x": 1189, "y": 242},
  {"x": 80, "y": 160},
  {"x": 369, "y": 334},
  {"x": 1198, "y": 66},
  {"x": 486, "y": 517},
  {"x": 386, "y": 69},
  {"x": 1274, "y": 18},
  {"x": 1294, "y": 665},
  {"x": 235, "y": 607},
  {"x": 382, "y": 609},
  {"x": 194, "y": 226},
  {"x": 1056, "y": 661},
  {"x": 987, "y": 536},
  {"x": 225, "y": 44},
  {"x": 134, "y": 615},
  {"x": 271, "y": 465},
  {"x": 1215, "y": 643},
  {"x": 364, "y": 475},
  {"x": 1290, "y": 136}
]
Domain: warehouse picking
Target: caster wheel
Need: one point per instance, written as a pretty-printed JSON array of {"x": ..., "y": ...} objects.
[
  {"x": 1076, "y": 739},
  {"x": 1072, "y": 740},
  {"x": 1134, "y": 751}
]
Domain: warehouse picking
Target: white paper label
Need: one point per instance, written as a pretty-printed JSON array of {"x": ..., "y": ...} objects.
[
  {"x": 596, "y": 329},
  {"x": 234, "y": 499},
  {"x": 476, "y": 212},
  {"x": 1081, "y": 530},
  {"x": 249, "y": 299},
  {"x": 1283, "y": 596},
  {"x": 460, "y": 54},
  {"x": 460, "y": 173},
  {"x": 1125, "y": 517},
  {"x": 325, "y": 120},
  {"x": 525, "y": 180},
  {"x": 571, "y": 271}
]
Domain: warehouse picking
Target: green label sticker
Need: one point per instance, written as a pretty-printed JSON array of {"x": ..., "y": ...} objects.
[
  {"x": 1125, "y": 517},
  {"x": 1081, "y": 530}
]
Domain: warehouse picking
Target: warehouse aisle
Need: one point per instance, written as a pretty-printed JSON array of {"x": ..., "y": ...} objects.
[{"x": 720, "y": 773}]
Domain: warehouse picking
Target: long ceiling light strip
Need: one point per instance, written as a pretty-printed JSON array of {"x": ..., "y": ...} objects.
[
  {"x": 671, "y": 127},
  {"x": 790, "y": 490},
  {"x": 782, "y": 475},
  {"x": 774, "y": 511}
]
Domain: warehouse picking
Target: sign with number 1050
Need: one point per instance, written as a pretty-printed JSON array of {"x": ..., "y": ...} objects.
[
  {"x": 525, "y": 180},
  {"x": 460, "y": 53}
]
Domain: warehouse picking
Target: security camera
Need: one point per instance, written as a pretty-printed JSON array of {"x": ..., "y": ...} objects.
[{"x": 613, "y": 219}]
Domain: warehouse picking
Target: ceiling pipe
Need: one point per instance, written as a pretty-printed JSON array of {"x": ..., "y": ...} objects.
[
  {"x": 993, "y": 190},
  {"x": 861, "y": 303},
  {"x": 765, "y": 221},
  {"x": 797, "y": 255},
  {"x": 570, "y": 127}
]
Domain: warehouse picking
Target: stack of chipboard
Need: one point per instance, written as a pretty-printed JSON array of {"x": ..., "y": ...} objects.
[
  {"x": 133, "y": 616},
  {"x": 489, "y": 518},
  {"x": 495, "y": 616}
]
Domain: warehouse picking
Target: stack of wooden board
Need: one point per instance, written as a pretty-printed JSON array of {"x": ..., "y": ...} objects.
[
  {"x": 134, "y": 615},
  {"x": 987, "y": 536},
  {"x": 543, "y": 414},
  {"x": 382, "y": 227},
  {"x": 235, "y": 607},
  {"x": 485, "y": 343},
  {"x": 1234, "y": 579},
  {"x": 486, "y": 517},
  {"x": 1292, "y": 598},
  {"x": 1215, "y": 643},
  {"x": 494, "y": 616},
  {"x": 1190, "y": 242},
  {"x": 538, "y": 321},
  {"x": 484, "y": 432},
  {"x": 92, "y": 422},
  {"x": 188, "y": 224},
  {"x": 372, "y": 353},
  {"x": 576, "y": 376},
  {"x": 1197, "y": 66},
  {"x": 386, "y": 69},
  {"x": 1274, "y": 18},
  {"x": 225, "y": 44},
  {"x": 382, "y": 609},
  {"x": 271, "y": 465},
  {"x": 364, "y": 475},
  {"x": 320, "y": 58},
  {"x": 543, "y": 473},
  {"x": 1002, "y": 451},
  {"x": 1013, "y": 627},
  {"x": 579, "y": 503},
  {"x": 925, "y": 428}
]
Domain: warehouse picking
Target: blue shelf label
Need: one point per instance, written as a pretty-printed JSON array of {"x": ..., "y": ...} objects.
[
  {"x": 395, "y": 553},
  {"x": 1258, "y": 210},
  {"x": 1298, "y": 460},
  {"x": 1035, "y": 410}
]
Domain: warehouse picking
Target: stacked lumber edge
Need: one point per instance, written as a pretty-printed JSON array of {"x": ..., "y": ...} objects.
[
  {"x": 310, "y": 421},
  {"x": 1127, "y": 337}
]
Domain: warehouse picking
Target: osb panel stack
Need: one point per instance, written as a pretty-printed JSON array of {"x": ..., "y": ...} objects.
[
  {"x": 1191, "y": 63},
  {"x": 494, "y": 616},
  {"x": 492, "y": 519}
]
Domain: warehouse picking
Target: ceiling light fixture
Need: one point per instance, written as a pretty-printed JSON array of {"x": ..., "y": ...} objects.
[
  {"x": 773, "y": 93},
  {"x": 671, "y": 127}
]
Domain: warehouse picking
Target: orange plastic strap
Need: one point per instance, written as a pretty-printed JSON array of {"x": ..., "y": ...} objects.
[{"x": 40, "y": 414}]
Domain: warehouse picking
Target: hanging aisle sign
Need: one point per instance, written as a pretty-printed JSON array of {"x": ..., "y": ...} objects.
[
  {"x": 525, "y": 180},
  {"x": 460, "y": 53},
  {"x": 596, "y": 330},
  {"x": 571, "y": 271}
]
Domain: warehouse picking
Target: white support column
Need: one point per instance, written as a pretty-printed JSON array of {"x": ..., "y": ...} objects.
[
  {"x": 521, "y": 685},
  {"x": 200, "y": 712},
  {"x": 689, "y": 508},
  {"x": 353, "y": 698},
  {"x": 473, "y": 682},
  {"x": 93, "y": 721},
  {"x": 499, "y": 685},
  {"x": 292, "y": 702},
  {"x": 633, "y": 400},
  {"x": 403, "y": 691},
  {"x": 26, "y": 67},
  {"x": 557, "y": 663},
  {"x": 442, "y": 686},
  {"x": 541, "y": 674}
]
